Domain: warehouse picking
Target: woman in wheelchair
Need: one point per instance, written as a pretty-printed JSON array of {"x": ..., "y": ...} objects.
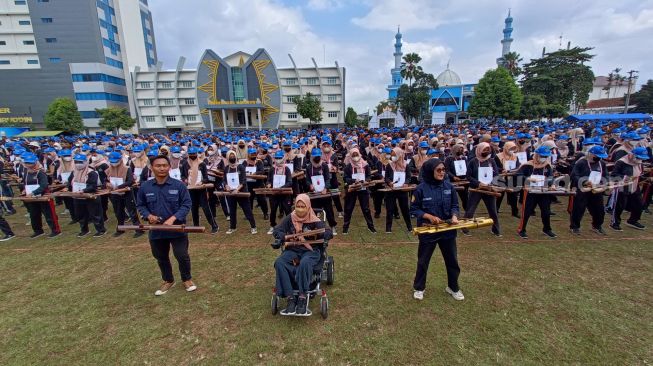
[{"x": 302, "y": 253}]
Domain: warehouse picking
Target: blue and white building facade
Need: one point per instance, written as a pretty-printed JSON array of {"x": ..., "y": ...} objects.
[
  {"x": 506, "y": 41},
  {"x": 80, "y": 49},
  {"x": 397, "y": 80}
]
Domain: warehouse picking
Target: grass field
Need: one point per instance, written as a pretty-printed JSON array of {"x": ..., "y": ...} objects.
[{"x": 581, "y": 300}]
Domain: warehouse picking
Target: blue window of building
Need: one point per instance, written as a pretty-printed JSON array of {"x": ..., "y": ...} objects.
[
  {"x": 98, "y": 77},
  {"x": 20, "y": 2},
  {"x": 101, "y": 96},
  {"x": 114, "y": 63},
  {"x": 43, "y": 1},
  {"x": 46, "y": 20},
  {"x": 24, "y": 22},
  {"x": 50, "y": 40},
  {"x": 32, "y": 62},
  {"x": 55, "y": 60},
  {"x": 113, "y": 46},
  {"x": 89, "y": 114},
  {"x": 104, "y": 5},
  {"x": 5, "y": 62},
  {"x": 149, "y": 47},
  {"x": 28, "y": 43},
  {"x": 144, "y": 2}
]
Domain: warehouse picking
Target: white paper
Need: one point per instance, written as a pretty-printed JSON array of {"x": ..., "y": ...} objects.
[
  {"x": 137, "y": 174},
  {"x": 291, "y": 167},
  {"x": 250, "y": 170},
  {"x": 537, "y": 180},
  {"x": 198, "y": 180},
  {"x": 358, "y": 177},
  {"x": 318, "y": 183},
  {"x": 12, "y": 158},
  {"x": 554, "y": 158},
  {"x": 31, "y": 188},
  {"x": 485, "y": 174},
  {"x": 175, "y": 173},
  {"x": 383, "y": 173},
  {"x": 522, "y": 156},
  {"x": 233, "y": 180},
  {"x": 240, "y": 161},
  {"x": 115, "y": 181},
  {"x": 78, "y": 187},
  {"x": 65, "y": 176},
  {"x": 399, "y": 179},
  {"x": 595, "y": 177},
  {"x": 511, "y": 164},
  {"x": 461, "y": 167},
  {"x": 278, "y": 180}
]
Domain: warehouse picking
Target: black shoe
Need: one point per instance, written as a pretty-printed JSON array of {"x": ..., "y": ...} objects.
[
  {"x": 522, "y": 234},
  {"x": 647, "y": 211},
  {"x": 599, "y": 230},
  {"x": 214, "y": 230},
  {"x": 345, "y": 231},
  {"x": 409, "y": 229},
  {"x": 266, "y": 217},
  {"x": 99, "y": 234},
  {"x": 301, "y": 306},
  {"x": 575, "y": 231},
  {"x": 8, "y": 237},
  {"x": 36, "y": 234},
  {"x": 466, "y": 232},
  {"x": 550, "y": 234},
  {"x": 11, "y": 212},
  {"x": 616, "y": 227},
  {"x": 498, "y": 235},
  {"x": 291, "y": 306},
  {"x": 396, "y": 217},
  {"x": 118, "y": 233},
  {"x": 636, "y": 225},
  {"x": 54, "y": 234},
  {"x": 82, "y": 233},
  {"x": 138, "y": 234},
  {"x": 377, "y": 215},
  {"x": 372, "y": 230},
  {"x": 552, "y": 213}
]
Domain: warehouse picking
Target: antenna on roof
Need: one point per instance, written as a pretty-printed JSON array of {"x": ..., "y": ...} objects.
[{"x": 560, "y": 43}]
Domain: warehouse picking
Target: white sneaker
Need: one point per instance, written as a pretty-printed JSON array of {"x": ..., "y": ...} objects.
[
  {"x": 230, "y": 231},
  {"x": 418, "y": 295},
  {"x": 340, "y": 215},
  {"x": 271, "y": 231},
  {"x": 333, "y": 231},
  {"x": 458, "y": 295},
  {"x": 254, "y": 231}
]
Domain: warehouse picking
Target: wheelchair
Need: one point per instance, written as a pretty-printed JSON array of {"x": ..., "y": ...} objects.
[{"x": 323, "y": 272}]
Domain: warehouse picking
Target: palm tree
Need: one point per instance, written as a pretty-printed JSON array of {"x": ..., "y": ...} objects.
[
  {"x": 511, "y": 62},
  {"x": 609, "y": 86},
  {"x": 618, "y": 79},
  {"x": 410, "y": 68}
]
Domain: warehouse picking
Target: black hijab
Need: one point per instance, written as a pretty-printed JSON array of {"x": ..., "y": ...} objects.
[{"x": 428, "y": 170}]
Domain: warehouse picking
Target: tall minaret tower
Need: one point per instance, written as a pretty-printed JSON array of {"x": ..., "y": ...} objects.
[
  {"x": 507, "y": 39},
  {"x": 397, "y": 80}
]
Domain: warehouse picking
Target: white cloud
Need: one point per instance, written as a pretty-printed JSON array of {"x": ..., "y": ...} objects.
[{"x": 324, "y": 4}]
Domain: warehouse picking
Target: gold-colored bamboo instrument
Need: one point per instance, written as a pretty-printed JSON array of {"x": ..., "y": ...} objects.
[
  {"x": 273, "y": 191},
  {"x": 172, "y": 228},
  {"x": 474, "y": 223},
  {"x": 404, "y": 188},
  {"x": 231, "y": 194}
]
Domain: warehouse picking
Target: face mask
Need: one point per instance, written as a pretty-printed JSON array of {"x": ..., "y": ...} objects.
[
  {"x": 251, "y": 157},
  {"x": 595, "y": 159},
  {"x": 379, "y": 150},
  {"x": 356, "y": 159},
  {"x": 327, "y": 150},
  {"x": 241, "y": 146},
  {"x": 521, "y": 142},
  {"x": 94, "y": 158},
  {"x": 115, "y": 164},
  {"x": 176, "y": 155},
  {"x": 80, "y": 166},
  {"x": 192, "y": 157},
  {"x": 541, "y": 160},
  {"x": 232, "y": 160},
  {"x": 317, "y": 159},
  {"x": 485, "y": 154},
  {"x": 459, "y": 153},
  {"x": 224, "y": 155},
  {"x": 423, "y": 151},
  {"x": 279, "y": 161},
  {"x": 67, "y": 158},
  {"x": 395, "y": 158},
  {"x": 211, "y": 152}
]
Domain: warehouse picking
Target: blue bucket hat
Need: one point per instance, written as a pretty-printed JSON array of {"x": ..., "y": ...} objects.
[
  {"x": 316, "y": 152},
  {"x": 115, "y": 157},
  {"x": 599, "y": 151},
  {"x": 640, "y": 152},
  {"x": 543, "y": 151},
  {"x": 279, "y": 154},
  {"x": 80, "y": 157}
]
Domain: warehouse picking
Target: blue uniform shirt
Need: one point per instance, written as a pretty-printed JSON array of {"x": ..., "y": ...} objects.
[{"x": 164, "y": 200}]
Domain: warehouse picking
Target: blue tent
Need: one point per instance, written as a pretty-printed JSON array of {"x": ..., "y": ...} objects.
[{"x": 610, "y": 117}]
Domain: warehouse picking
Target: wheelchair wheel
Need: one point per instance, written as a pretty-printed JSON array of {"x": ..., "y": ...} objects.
[
  {"x": 275, "y": 304},
  {"x": 324, "y": 307},
  {"x": 330, "y": 271}
]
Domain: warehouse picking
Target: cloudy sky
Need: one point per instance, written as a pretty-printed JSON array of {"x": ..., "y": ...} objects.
[{"x": 360, "y": 34}]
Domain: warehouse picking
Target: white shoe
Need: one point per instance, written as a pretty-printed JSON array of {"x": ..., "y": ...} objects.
[
  {"x": 418, "y": 295},
  {"x": 254, "y": 231},
  {"x": 340, "y": 215},
  {"x": 333, "y": 231},
  {"x": 458, "y": 295},
  {"x": 230, "y": 231},
  {"x": 271, "y": 231}
]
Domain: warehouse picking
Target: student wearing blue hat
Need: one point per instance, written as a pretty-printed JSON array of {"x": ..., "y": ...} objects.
[
  {"x": 629, "y": 169},
  {"x": 537, "y": 172},
  {"x": 86, "y": 180},
  {"x": 253, "y": 166},
  {"x": 36, "y": 184},
  {"x": 279, "y": 176},
  {"x": 331, "y": 158},
  {"x": 318, "y": 180},
  {"x": 630, "y": 141},
  {"x": 121, "y": 177},
  {"x": 139, "y": 164},
  {"x": 235, "y": 181},
  {"x": 194, "y": 174},
  {"x": 589, "y": 172}
]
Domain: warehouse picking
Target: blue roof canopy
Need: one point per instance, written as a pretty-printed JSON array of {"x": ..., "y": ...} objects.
[{"x": 619, "y": 117}]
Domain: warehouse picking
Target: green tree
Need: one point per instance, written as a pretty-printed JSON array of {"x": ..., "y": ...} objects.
[
  {"x": 411, "y": 69},
  {"x": 643, "y": 98},
  {"x": 562, "y": 77},
  {"x": 309, "y": 107},
  {"x": 414, "y": 98},
  {"x": 351, "y": 117},
  {"x": 62, "y": 115},
  {"x": 511, "y": 62},
  {"x": 532, "y": 107},
  {"x": 496, "y": 95},
  {"x": 114, "y": 118}
]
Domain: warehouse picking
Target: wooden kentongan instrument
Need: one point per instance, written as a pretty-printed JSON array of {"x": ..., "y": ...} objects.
[
  {"x": 81, "y": 195},
  {"x": 327, "y": 194},
  {"x": 273, "y": 191},
  {"x": 358, "y": 186},
  {"x": 215, "y": 173},
  {"x": 549, "y": 190},
  {"x": 475, "y": 223},
  {"x": 603, "y": 188},
  {"x": 232, "y": 194},
  {"x": 257, "y": 176},
  {"x": 173, "y": 228},
  {"x": 405, "y": 188},
  {"x": 304, "y": 235},
  {"x": 299, "y": 174},
  {"x": 202, "y": 186}
]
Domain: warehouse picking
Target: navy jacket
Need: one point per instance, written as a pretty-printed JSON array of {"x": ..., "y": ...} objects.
[
  {"x": 164, "y": 200},
  {"x": 438, "y": 199}
]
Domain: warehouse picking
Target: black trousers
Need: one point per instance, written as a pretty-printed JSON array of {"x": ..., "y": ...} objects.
[
  {"x": 199, "y": 197},
  {"x": 377, "y": 200},
  {"x": 278, "y": 202},
  {"x": 262, "y": 202},
  {"x": 391, "y": 200},
  {"x": 89, "y": 211},
  {"x": 326, "y": 205},
  {"x": 337, "y": 203},
  {"x": 512, "y": 198},
  {"x": 160, "y": 251},
  {"x": 528, "y": 208},
  {"x": 37, "y": 210},
  {"x": 123, "y": 208},
  {"x": 7, "y": 192},
  {"x": 4, "y": 226},
  {"x": 363, "y": 198},
  {"x": 593, "y": 202},
  {"x": 629, "y": 201},
  {"x": 491, "y": 205},
  {"x": 105, "y": 206},
  {"x": 463, "y": 194},
  {"x": 647, "y": 195},
  {"x": 425, "y": 251},
  {"x": 245, "y": 205},
  {"x": 70, "y": 206}
]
